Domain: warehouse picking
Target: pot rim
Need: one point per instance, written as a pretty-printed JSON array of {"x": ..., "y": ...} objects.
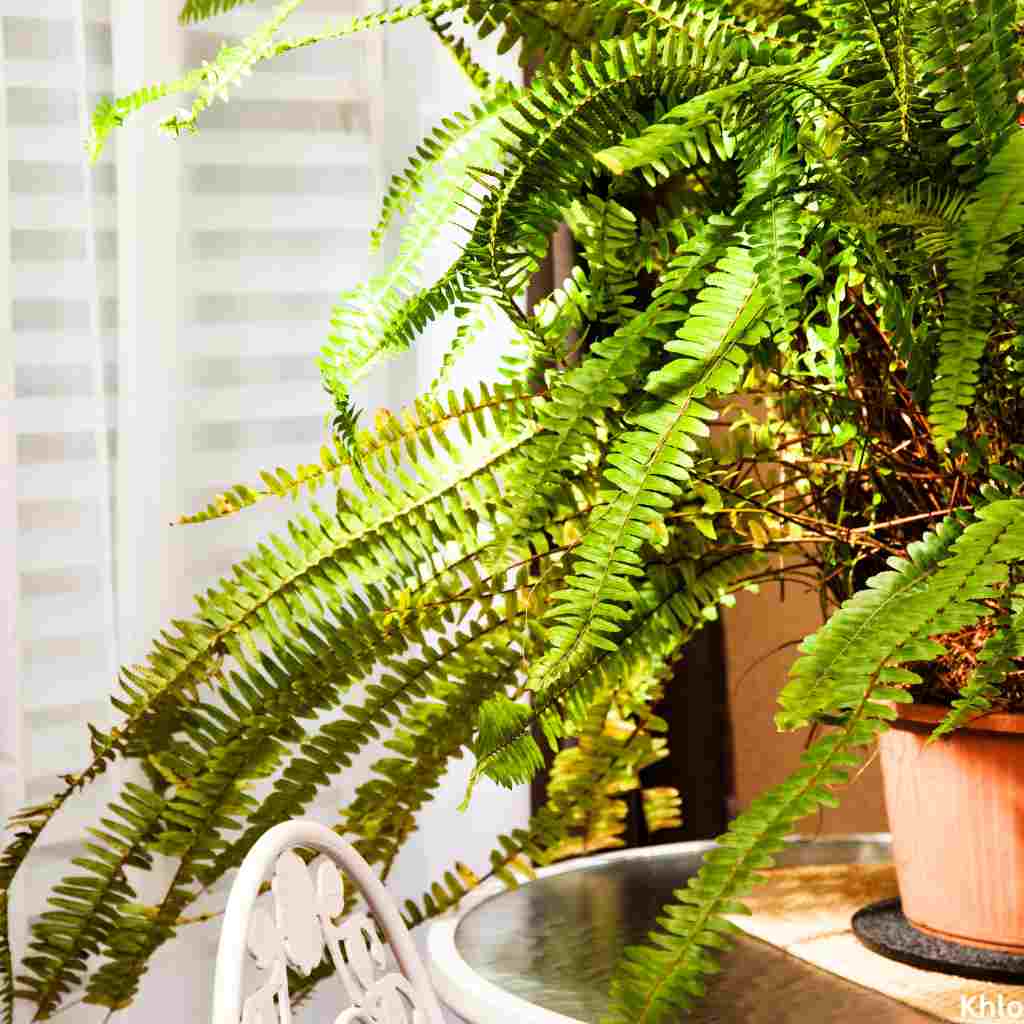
[{"x": 918, "y": 716}]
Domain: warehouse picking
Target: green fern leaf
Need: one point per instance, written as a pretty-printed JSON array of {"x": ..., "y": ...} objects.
[
  {"x": 777, "y": 235},
  {"x": 989, "y": 224},
  {"x": 660, "y": 141},
  {"x": 478, "y": 76},
  {"x": 406, "y": 434},
  {"x": 557, "y": 128},
  {"x": 648, "y": 463},
  {"x": 383, "y": 316},
  {"x": 215, "y": 80},
  {"x": 212, "y": 81},
  {"x": 83, "y": 907},
  {"x": 427, "y": 164},
  {"x": 970, "y": 73},
  {"x": 569, "y": 419},
  {"x": 200, "y": 10},
  {"x": 278, "y": 594}
]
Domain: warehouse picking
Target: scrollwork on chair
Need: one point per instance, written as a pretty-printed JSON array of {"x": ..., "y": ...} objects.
[{"x": 304, "y": 922}]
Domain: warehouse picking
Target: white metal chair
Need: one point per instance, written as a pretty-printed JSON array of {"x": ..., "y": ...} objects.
[{"x": 307, "y": 903}]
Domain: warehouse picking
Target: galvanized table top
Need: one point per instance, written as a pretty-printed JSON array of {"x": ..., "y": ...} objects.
[{"x": 552, "y": 945}]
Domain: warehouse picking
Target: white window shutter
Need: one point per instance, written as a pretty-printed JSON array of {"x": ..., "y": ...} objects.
[
  {"x": 161, "y": 315},
  {"x": 12, "y": 783}
]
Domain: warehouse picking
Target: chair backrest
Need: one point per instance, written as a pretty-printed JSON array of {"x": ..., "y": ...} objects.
[{"x": 307, "y": 904}]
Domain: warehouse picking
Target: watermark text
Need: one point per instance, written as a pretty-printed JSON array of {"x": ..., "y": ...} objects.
[{"x": 998, "y": 1007}]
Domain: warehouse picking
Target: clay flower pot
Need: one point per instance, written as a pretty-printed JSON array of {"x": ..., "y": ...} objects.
[{"x": 956, "y": 810}]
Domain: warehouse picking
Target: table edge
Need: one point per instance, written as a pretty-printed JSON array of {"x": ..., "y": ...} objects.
[{"x": 472, "y": 996}]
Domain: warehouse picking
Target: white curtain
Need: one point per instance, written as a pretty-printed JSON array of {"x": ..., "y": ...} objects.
[{"x": 161, "y": 314}]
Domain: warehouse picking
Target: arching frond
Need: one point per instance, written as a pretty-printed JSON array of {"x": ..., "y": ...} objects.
[
  {"x": 406, "y": 435},
  {"x": 583, "y": 812},
  {"x": 995, "y": 214},
  {"x": 479, "y": 76},
  {"x": 214, "y": 80},
  {"x": 971, "y": 75},
  {"x": 777, "y": 234},
  {"x": 557, "y": 132},
  {"x": 884, "y": 29},
  {"x": 648, "y": 464},
  {"x": 384, "y": 315},
  {"x": 200, "y": 10}
]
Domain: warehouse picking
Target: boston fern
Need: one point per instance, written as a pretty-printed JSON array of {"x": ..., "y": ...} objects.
[{"x": 815, "y": 207}]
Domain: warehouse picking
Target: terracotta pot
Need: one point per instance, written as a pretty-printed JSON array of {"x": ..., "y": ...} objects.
[{"x": 956, "y": 810}]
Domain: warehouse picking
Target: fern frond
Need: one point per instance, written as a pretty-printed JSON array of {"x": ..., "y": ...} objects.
[
  {"x": 378, "y": 328},
  {"x": 568, "y": 421},
  {"x": 615, "y": 741},
  {"x": 777, "y": 234},
  {"x": 26, "y": 824},
  {"x": 688, "y": 123},
  {"x": 654, "y": 981},
  {"x": 83, "y": 907},
  {"x": 931, "y": 211},
  {"x": 213, "y": 80},
  {"x": 478, "y": 75},
  {"x": 322, "y": 755},
  {"x": 222, "y": 747},
  {"x": 229, "y": 67},
  {"x": 427, "y": 163},
  {"x": 560, "y": 320},
  {"x": 607, "y": 234},
  {"x": 248, "y": 745},
  {"x": 112, "y": 113},
  {"x": 968, "y": 71},
  {"x": 200, "y": 10},
  {"x": 547, "y": 32},
  {"x": 226, "y": 749},
  {"x": 384, "y": 315},
  {"x": 647, "y": 465},
  {"x": 881, "y": 34},
  {"x": 280, "y": 593},
  {"x": 994, "y": 217},
  {"x": 382, "y": 815},
  {"x": 897, "y": 614},
  {"x": 366, "y": 22},
  {"x": 693, "y": 19},
  {"x": 481, "y": 324},
  {"x": 557, "y": 128},
  {"x": 409, "y": 433},
  {"x": 247, "y": 739},
  {"x": 617, "y": 738}
]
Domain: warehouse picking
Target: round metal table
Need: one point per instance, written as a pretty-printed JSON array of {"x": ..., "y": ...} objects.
[{"x": 545, "y": 953}]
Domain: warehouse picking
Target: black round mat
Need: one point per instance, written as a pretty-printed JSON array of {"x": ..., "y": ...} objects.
[{"x": 883, "y": 929}]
